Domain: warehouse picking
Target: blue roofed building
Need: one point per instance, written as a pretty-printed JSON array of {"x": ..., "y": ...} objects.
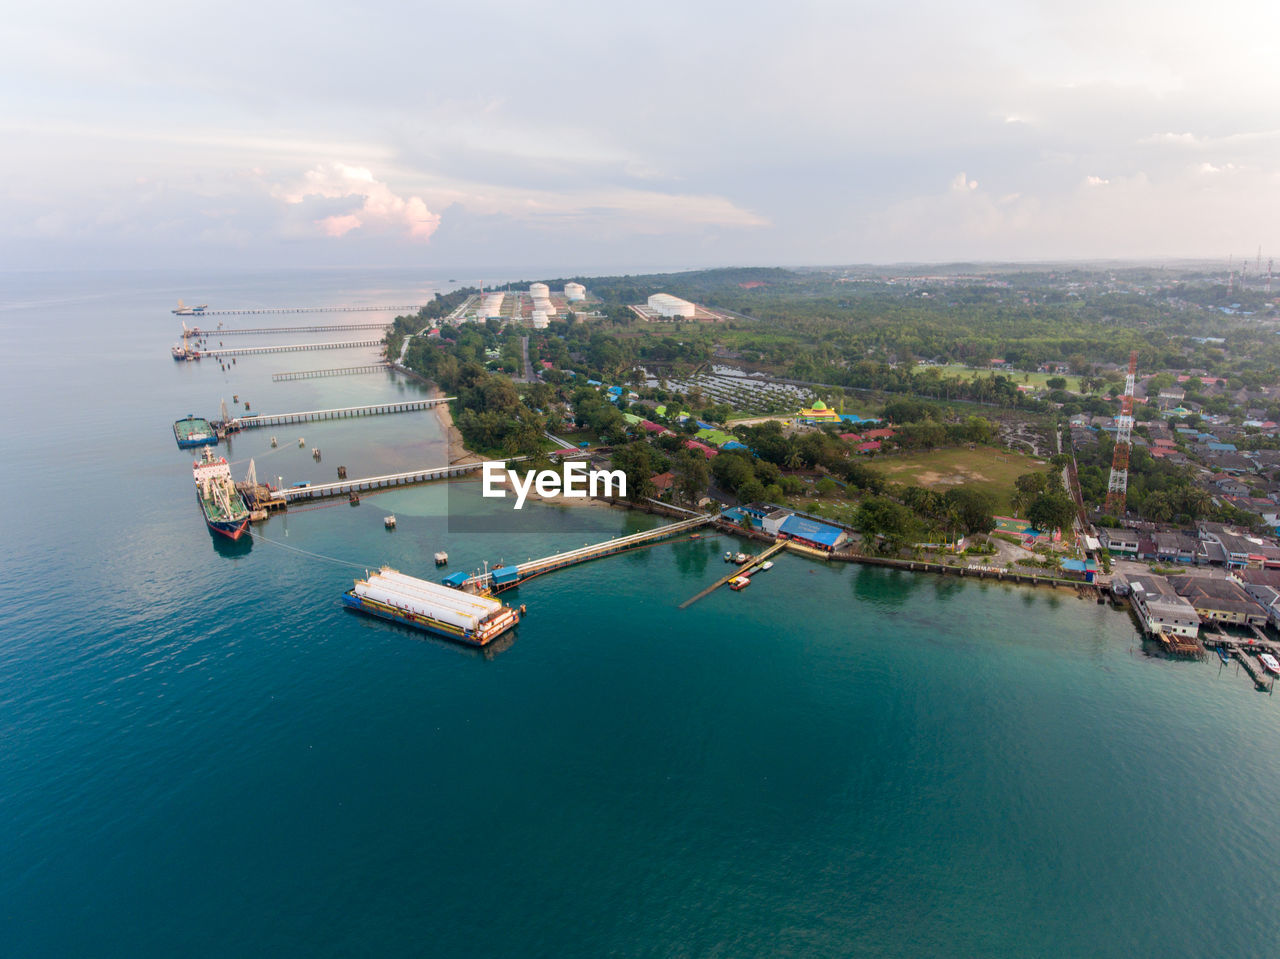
[{"x": 809, "y": 532}]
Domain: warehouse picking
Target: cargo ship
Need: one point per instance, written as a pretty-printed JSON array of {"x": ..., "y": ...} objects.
[
  {"x": 461, "y": 616},
  {"x": 192, "y": 431},
  {"x": 223, "y": 506}
]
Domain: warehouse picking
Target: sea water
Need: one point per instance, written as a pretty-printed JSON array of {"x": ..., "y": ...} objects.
[{"x": 203, "y": 754}]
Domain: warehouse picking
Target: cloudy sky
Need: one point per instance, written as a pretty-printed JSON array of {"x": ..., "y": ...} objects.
[{"x": 697, "y": 132}]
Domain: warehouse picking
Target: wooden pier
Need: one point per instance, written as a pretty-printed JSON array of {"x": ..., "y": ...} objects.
[
  {"x": 536, "y": 567},
  {"x": 291, "y": 348},
  {"x": 1261, "y": 678},
  {"x": 328, "y": 328},
  {"x": 337, "y": 371},
  {"x": 311, "y": 416},
  {"x": 294, "y": 494},
  {"x": 746, "y": 569}
]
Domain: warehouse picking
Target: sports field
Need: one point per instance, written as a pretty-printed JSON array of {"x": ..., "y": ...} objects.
[{"x": 987, "y": 468}]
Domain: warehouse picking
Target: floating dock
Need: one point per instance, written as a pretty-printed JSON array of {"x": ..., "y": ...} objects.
[{"x": 338, "y": 371}]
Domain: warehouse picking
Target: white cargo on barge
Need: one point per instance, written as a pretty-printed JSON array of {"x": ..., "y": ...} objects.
[{"x": 467, "y": 617}]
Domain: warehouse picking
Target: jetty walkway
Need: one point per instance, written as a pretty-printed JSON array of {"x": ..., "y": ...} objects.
[
  {"x": 255, "y": 421},
  {"x": 294, "y": 494},
  {"x": 336, "y": 371},
  {"x": 289, "y": 348},
  {"x": 746, "y": 569},
  {"x": 297, "y": 309},
  {"x": 536, "y": 567},
  {"x": 326, "y": 328}
]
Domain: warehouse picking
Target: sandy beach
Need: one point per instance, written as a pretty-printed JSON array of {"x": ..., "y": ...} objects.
[{"x": 458, "y": 452}]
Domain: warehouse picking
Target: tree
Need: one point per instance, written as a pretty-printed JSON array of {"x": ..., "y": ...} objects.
[
  {"x": 972, "y": 507},
  {"x": 1051, "y": 510},
  {"x": 692, "y": 475}
]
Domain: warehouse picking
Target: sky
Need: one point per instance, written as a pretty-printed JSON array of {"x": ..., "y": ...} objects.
[{"x": 595, "y": 137}]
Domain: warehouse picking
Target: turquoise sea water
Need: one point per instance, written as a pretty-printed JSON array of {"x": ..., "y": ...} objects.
[{"x": 203, "y": 754}]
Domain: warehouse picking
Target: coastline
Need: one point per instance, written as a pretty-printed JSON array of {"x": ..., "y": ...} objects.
[{"x": 458, "y": 452}]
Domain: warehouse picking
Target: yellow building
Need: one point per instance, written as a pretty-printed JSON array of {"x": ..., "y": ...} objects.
[{"x": 819, "y": 414}]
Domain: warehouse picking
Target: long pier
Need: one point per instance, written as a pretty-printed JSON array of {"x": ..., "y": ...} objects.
[
  {"x": 746, "y": 569},
  {"x": 536, "y": 567},
  {"x": 292, "y": 348},
  {"x": 337, "y": 371},
  {"x": 322, "y": 491},
  {"x": 298, "y": 309},
  {"x": 219, "y": 331},
  {"x": 341, "y": 413}
]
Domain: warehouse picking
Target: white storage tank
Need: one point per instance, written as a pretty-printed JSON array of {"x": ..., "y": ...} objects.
[
  {"x": 664, "y": 304},
  {"x": 539, "y": 291},
  {"x": 575, "y": 292},
  {"x": 540, "y": 320}
]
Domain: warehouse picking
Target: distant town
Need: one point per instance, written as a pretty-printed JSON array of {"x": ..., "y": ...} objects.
[{"x": 1114, "y": 428}]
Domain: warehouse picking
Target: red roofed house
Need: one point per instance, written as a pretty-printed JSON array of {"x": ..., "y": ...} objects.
[
  {"x": 871, "y": 447},
  {"x": 663, "y": 481},
  {"x": 851, "y": 437},
  {"x": 880, "y": 434},
  {"x": 703, "y": 448}
]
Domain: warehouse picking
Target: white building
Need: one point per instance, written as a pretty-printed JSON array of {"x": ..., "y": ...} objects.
[
  {"x": 664, "y": 304},
  {"x": 575, "y": 292},
  {"x": 1160, "y": 608}
]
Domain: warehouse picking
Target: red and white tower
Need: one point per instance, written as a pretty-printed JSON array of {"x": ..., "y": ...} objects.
[{"x": 1118, "y": 485}]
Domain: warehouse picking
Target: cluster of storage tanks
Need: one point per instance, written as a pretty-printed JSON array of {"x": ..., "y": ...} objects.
[{"x": 543, "y": 309}]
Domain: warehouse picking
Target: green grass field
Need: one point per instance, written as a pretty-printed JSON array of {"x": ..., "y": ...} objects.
[
  {"x": 987, "y": 468},
  {"x": 1035, "y": 379}
]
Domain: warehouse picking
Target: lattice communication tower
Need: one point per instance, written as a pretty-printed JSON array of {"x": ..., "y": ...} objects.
[{"x": 1118, "y": 484}]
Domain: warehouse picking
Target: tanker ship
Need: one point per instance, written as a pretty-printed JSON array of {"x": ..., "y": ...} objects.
[{"x": 223, "y": 506}]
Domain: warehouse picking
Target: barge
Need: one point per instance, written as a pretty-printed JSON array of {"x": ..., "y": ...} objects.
[
  {"x": 192, "y": 431},
  {"x": 461, "y": 616}
]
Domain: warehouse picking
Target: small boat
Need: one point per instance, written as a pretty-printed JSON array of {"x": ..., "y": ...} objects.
[
  {"x": 315, "y": 454},
  {"x": 389, "y": 522},
  {"x": 354, "y": 498},
  {"x": 1223, "y": 655},
  {"x": 739, "y": 583},
  {"x": 301, "y": 442},
  {"x": 695, "y": 536},
  {"x": 1272, "y": 664},
  {"x": 442, "y": 558},
  {"x": 273, "y": 442},
  {"x": 728, "y": 557},
  {"x": 767, "y": 564},
  {"x": 741, "y": 558}
]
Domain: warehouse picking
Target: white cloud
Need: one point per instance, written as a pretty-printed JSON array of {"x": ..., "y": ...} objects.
[
  {"x": 1096, "y": 181},
  {"x": 960, "y": 183},
  {"x": 379, "y": 206}
]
